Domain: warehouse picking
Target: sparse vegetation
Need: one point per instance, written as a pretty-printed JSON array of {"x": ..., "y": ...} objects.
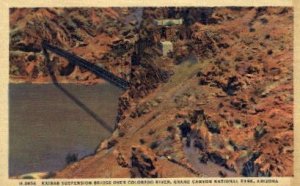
[{"x": 71, "y": 158}]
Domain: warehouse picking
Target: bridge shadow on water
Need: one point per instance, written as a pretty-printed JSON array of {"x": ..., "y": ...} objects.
[{"x": 72, "y": 97}]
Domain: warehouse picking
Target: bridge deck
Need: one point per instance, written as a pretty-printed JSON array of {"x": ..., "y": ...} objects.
[{"x": 101, "y": 72}]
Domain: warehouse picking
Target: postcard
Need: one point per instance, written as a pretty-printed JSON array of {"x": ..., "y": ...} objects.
[{"x": 139, "y": 93}]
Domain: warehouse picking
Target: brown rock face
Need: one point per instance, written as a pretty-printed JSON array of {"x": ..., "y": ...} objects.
[
  {"x": 142, "y": 163},
  {"x": 86, "y": 32}
]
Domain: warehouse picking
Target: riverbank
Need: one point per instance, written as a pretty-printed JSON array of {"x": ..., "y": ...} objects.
[{"x": 47, "y": 80}]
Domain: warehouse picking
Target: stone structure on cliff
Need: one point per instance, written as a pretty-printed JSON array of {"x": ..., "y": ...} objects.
[
  {"x": 166, "y": 47},
  {"x": 169, "y": 22}
]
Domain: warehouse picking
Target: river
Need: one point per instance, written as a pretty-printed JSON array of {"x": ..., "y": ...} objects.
[{"x": 47, "y": 121}]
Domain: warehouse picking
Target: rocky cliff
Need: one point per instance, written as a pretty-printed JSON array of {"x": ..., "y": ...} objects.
[{"x": 102, "y": 36}]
